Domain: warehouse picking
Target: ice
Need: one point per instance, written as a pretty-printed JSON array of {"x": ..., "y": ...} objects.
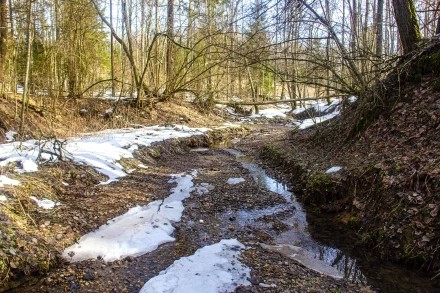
[
  {"x": 10, "y": 135},
  {"x": 8, "y": 181},
  {"x": 334, "y": 169},
  {"x": 101, "y": 150},
  {"x": 45, "y": 203},
  {"x": 3, "y": 197},
  {"x": 233, "y": 181},
  {"x": 305, "y": 258},
  {"x": 211, "y": 269},
  {"x": 140, "y": 230}
]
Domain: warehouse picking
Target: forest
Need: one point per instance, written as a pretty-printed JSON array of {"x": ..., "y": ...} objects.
[{"x": 219, "y": 146}]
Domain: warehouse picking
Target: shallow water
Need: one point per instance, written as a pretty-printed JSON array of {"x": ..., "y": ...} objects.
[
  {"x": 297, "y": 234},
  {"x": 365, "y": 269}
]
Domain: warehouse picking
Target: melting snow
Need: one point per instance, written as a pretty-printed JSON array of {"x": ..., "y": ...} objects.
[
  {"x": 352, "y": 99},
  {"x": 140, "y": 230},
  {"x": 233, "y": 181},
  {"x": 272, "y": 113},
  {"x": 305, "y": 258},
  {"x": 303, "y": 124},
  {"x": 8, "y": 181},
  {"x": 101, "y": 150},
  {"x": 199, "y": 150},
  {"x": 45, "y": 203},
  {"x": 204, "y": 188},
  {"x": 211, "y": 269},
  {"x": 10, "y": 135},
  {"x": 334, "y": 169}
]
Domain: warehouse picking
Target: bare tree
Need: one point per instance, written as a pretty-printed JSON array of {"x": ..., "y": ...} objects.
[
  {"x": 28, "y": 65},
  {"x": 379, "y": 28},
  {"x": 3, "y": 39},
  {"x": 437, "y": 31},
  {"x": 406, "y": 18},
  {"x": 170, "y": 45}
]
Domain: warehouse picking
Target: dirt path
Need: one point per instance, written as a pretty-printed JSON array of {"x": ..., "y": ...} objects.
[{"x": 217, "y": 211}]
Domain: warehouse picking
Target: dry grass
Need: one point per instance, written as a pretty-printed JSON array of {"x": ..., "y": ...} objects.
[{"x": 74, "y": 117}]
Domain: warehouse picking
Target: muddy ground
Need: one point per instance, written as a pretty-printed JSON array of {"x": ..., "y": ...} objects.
[{"x": 208, "y": 218}]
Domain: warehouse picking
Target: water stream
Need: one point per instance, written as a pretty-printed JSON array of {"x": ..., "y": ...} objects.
[
  {"x": 297, "y": 234},
  {"x": 381, "y": 276}
]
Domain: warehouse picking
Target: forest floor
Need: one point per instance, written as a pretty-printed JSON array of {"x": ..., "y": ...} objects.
[
  {"x": 34, "y": 238},
  {"x": 382, "y": 186},
  {"x": 215, "y": 210}
]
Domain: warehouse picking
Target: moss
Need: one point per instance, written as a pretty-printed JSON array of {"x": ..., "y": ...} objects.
[
  {"x": 413, "y": 13},
  {"x": 319, "y": 189},
  {"x": 273, "y": 152},
  {"x": 319, "y": 180},
  {"x": 354, "y": 221}
]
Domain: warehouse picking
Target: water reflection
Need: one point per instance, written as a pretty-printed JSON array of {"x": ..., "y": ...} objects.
[{"x": 297, "y": 234}]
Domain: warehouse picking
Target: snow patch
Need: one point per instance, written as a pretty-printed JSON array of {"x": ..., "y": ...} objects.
[
  {"x": 211, "y": 269},
  {"x": 140, "y": 230},
  {"x": 28, "y": 165},
  {"x": 204, "y": 188},
  {"x": 100, "y": 150},
  {"x": 10, "y": 135},
  {"x": 45, "y": 203},
  {"x": 271, "y": 113},
  {"x": 199, "y": 150},
  {"x": 3, "y": 197},
  {"x": 233, "y": 181},
  {"x": 334, "y": 169},
  {"x": 304, "y": 124},
  {"x": 8, "y": 181},
  {"x": 142, "y": 166}
]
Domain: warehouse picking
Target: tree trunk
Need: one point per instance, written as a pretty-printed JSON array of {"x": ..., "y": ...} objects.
[
  {"x": 379, "y": 28},
  {"x": 406, "y": 18},
  {"x": 327, "y": 50},
  {"x": 437, "y": 31},
  {"x": 3, "y": 39},
  {"x": 112, "y": 53},
  {"x": 354, "y": 23},
  {"x": 28, "y": 67},
  {"x": 170, "y": 45}
]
